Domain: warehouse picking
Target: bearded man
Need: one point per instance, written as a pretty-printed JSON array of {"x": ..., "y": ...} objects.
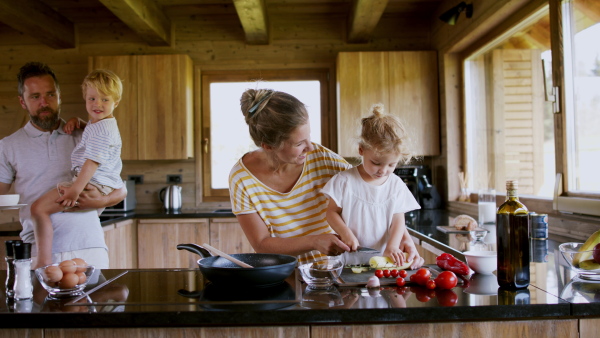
[{"x": 37, "y": 157}]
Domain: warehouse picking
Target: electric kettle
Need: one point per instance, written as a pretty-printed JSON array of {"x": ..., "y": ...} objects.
[{"x": 171, "y": 197}]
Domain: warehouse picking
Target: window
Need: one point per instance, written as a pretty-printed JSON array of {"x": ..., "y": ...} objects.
[
  {"x": 225, "y": 133},
  {"x": 509, "y": 125},
  {"x": 579, "y": 121},
  {"x": 532, "y": 108}
]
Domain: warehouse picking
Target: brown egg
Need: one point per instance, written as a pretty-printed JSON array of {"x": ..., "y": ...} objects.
[
  {"x": 53, "y": 273},
  {"x": 82, "y": 277},
  {"x": 67, "y": 266},
  {"x": 68, "y": 281},
  {"x": 81, "y": 264}
]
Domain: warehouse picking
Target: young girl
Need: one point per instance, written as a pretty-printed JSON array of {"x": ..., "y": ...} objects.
[
  {"x": 95, "y": 160},
  {"x": 367, "y": 203}
]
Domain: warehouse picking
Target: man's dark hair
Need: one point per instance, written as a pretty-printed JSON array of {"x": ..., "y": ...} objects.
[{"x": 32, "y": 69}]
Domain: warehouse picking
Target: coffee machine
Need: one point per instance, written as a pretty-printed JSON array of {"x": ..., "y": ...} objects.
[{"x": 417, "y": 178}]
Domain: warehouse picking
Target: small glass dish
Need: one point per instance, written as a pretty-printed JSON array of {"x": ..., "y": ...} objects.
[
  {"x": 322, "y": 274},
  {"x": 581, "y": 262},
  {"x": 53, "y": 288}
]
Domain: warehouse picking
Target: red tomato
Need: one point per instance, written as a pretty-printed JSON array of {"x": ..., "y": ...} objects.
[
  {"x": 446, "y": 297},
  {"x": 400, "y": 281},
  {"x": 402, "y": 273},
  {"x": 446, "y": 280},
  {"x": 422, "y": 294},
  {"x": 394, "y": 273},
  {"x": 386, "y": 273},
  {"x": 421, "y": 276},
  {"x": 379, "y": 273},
  {"x": 430, "y": 284}
]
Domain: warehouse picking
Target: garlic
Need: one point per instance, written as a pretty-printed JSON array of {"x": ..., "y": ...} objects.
[{"x": 373, "y": 282}]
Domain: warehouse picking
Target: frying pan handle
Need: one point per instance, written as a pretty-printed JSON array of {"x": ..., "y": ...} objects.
[{"x": 195, "y": 248}]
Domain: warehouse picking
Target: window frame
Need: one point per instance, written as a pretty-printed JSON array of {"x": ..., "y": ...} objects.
[
  {"x": 328, "y": 124},
  {"x": 564, "y": 201}
]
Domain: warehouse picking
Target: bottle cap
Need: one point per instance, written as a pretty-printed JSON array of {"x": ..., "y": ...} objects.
[
  {"x": 9, "y": 247},
  {"x": 22, "y": 250},
  {"x": 512, "y": 184}
]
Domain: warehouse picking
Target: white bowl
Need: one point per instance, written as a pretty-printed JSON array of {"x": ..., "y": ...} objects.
[
  {"x": 483, "y": 262},
  {"x": 8, "y": 200}
]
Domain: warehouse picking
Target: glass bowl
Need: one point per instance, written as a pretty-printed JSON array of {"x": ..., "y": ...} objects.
[
  {"x": 580, "y": 261},
  {"x": 321, "y": 274},
  {"x": 46, "y": 273}
]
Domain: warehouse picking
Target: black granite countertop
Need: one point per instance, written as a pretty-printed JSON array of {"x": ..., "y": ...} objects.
[{"x": 166, "y": 298}]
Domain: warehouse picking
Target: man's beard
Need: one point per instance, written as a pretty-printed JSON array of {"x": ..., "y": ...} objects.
[{"x": 47, "y": 122}]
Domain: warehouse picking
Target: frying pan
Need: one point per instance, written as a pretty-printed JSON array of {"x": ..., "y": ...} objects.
[{"x": 268, "y": 270}]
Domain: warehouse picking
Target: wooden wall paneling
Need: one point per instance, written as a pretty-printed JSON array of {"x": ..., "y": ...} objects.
[
  {"x": 159, "y": 236},
  {"x": 121, "y": 240},
  {"x": 164, "y": 105},
  {"x": 155, "y": 178},
  {"x": 546, "y": 328},
  {"x": 227, "y": 235},
  {"x": 127, "y": 113},
  {"x": 249, "y": 332},
  {"x": 588, "y": 327},
  {"x": 20, "y": 333},
  {"x": 411, "y": 73}
]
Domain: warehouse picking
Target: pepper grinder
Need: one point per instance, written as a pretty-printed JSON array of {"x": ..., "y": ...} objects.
[
  {"x": 10, "y": 268},
  {"x": 23, "y": 286}
]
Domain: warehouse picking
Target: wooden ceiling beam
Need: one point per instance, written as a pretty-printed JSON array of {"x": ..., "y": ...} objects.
[
  {"x": 40, "y": 21},
  {"x": 364, "y": 16},
  {"x": 590, "y": 8},
  {"x": 145, "y": 17},
  {"x": 253, "y": 16}
]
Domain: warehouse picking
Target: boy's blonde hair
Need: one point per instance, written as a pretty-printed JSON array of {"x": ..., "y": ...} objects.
[
  {"x": 384, "y": 133},
  {"x": 104, "y": 81}
]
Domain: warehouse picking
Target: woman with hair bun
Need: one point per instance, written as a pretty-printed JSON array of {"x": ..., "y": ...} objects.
[{"x": 275, "y": 190}]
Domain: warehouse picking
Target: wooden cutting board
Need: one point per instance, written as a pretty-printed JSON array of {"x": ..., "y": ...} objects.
[{"x": 349, "y": 278}]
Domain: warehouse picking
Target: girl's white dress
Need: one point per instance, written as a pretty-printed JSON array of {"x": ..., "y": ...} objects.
[{"x": 367, "y": 209}]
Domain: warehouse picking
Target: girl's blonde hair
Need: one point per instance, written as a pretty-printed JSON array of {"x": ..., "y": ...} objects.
[
  {"x": 384, "y": 133},
  {"x": 271, "y": 115},
  {"x": 104, "y": 81}
]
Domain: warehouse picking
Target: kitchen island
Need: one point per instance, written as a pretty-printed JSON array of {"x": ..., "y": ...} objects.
[{"x": 181, "y": 302}]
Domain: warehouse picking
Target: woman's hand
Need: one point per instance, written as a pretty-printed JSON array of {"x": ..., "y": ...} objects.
[{"x": 330, "y": 244}]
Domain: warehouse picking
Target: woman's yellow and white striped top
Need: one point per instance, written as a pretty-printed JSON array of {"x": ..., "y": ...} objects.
[{"x": 300, "y": 212}]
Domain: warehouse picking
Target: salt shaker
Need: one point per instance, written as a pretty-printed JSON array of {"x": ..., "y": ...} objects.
[
  {"x": 10, "y": 268},
  {"x": 23, "y": 286}
]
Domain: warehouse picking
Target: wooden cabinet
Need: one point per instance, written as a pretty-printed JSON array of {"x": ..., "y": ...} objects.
[
  {"x": 122, "y": 242},
  {"x": 405, "y": 82},
  {"x": 155, "y": 115},
  {"x": 227, "y": 235},
  {"x": 158, "y": 239}
]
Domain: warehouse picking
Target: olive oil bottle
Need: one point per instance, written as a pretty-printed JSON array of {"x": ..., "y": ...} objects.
[{"x": 512, "y": 239}]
